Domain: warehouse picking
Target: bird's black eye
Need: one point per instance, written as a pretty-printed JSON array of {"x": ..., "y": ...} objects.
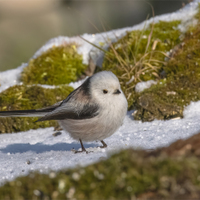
[{"x": 105, "y": 91}]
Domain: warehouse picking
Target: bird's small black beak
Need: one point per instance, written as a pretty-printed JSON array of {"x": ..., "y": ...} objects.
[{"x": 117, "y": 91}]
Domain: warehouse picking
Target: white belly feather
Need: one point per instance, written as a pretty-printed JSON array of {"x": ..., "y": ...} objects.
[{"x": 101, "y": 126}]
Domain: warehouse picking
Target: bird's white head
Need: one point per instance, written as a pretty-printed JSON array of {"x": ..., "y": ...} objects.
[{"x": 106, "y": 90}]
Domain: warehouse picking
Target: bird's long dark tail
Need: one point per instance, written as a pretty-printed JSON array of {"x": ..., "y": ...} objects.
[
  {"x": 22, "y": 113},
  {"x": 29, "y": 113}
]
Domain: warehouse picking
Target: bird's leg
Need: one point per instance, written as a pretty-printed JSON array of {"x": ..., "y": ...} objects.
[
  {"x": 104, "y": 144},
  {"x": 83, "y": 148}
]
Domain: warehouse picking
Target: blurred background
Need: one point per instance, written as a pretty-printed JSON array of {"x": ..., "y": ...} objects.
[{"x": 26, "y": 25}]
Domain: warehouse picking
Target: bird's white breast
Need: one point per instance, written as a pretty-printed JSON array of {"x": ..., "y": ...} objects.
[{"x": 109, "y": 119}]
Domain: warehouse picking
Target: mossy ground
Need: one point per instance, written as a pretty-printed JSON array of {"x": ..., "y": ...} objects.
[
  {"x": 129, "y": 174},
  {"x": 168, "y": 98},
  {"x": 141, "y": 54},
  {"x": 22, "y": 97},
  {"x": 178, "y": 76},
  {"x": 58, "y": 65}
]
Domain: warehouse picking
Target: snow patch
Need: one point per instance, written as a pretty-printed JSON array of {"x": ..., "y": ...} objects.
[
  {"x": 40, "y": 150},
  {"x": 10, "y": 77},
  {"x": 144, "y": 85},
  {"x": 77, "y": 83},
  {"x": 192, "y": 110}
]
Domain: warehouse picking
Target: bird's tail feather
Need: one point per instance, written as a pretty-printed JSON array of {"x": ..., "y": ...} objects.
[
  {"x": 23, "y": 113},
  {"x": 29, "y": 113}
]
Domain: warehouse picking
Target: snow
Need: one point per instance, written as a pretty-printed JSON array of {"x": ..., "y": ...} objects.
[
  {"x": 10, "y": 77},
  {"x": 77, "y": 84},
  {"x": 144, "y": 85},
  {"x": 39, "y": 150}
]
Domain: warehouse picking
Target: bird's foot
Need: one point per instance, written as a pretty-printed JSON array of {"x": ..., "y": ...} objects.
[
  {"x": 104, "y": 144},
  {"x": 82, "y": 151}
]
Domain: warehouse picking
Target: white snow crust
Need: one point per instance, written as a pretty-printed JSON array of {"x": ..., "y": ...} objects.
[
  {"x": 47, "y": 152},
  {"x": 144, "y": 85},
  {"x": 39, "y": 150}
]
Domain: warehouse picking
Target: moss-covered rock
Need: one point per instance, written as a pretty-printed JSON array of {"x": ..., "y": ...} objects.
[
  {"x": 22, "y": 97},
  {"x": 129, "y": 174},
  {"x": 58, "y": 65},
  {"x": 168, "y": 98},
  {"x": 140, "y": 55}
]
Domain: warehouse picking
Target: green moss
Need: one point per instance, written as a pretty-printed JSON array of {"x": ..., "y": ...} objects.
[
  {"x": 22, "y": 97},
  {"x": 198, "y": 13},
  {"x": 58, "y": 65},
  {"x": 178, "y": 76},
  {"x": 182, "y": 84},
  {"x": 141, "y": 54},
  {"x": 126, "y": 175}
]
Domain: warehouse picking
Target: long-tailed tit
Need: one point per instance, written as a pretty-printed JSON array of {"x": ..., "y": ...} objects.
[{"x": 93, "y": 111}]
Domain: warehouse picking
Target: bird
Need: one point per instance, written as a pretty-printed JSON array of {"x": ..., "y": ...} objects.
[{"x": 92, "y": 112}]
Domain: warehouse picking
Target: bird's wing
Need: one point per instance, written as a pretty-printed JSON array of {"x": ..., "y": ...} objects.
[{"x": 78, "y": 105}]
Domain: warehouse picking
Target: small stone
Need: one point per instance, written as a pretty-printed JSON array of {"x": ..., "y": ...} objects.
[
  {"x": 28, "y": 162},
  {"x": 73, "y": 150},
  {"x": 76, "y": 176},
  {"x": 52, "y": 175},
  {"x": 58, "y": 128},
  {"x": 37, "y": 193},
  {"x": 57, "y": 133},
  {"x": 170, "y": 93}
]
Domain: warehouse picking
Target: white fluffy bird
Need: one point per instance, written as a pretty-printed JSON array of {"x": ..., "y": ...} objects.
[{"x": 94, "y": 111}]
